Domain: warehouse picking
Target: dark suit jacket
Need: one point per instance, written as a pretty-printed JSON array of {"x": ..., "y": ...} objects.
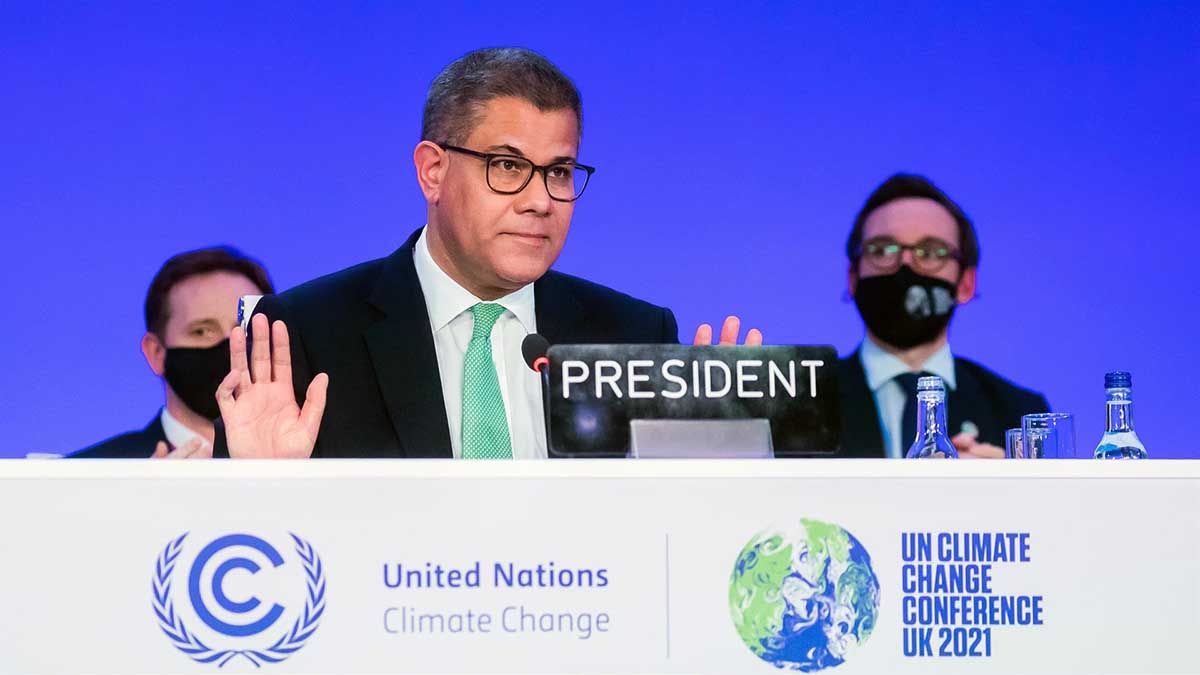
[
  {"x": 131, "y": 445},
  {"x": 991, "y": 402},
  {"x": 368, "y": 328}
]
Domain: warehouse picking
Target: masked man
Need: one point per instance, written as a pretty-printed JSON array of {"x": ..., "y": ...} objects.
[
  {"x": 914, "y": 258},
  {"x": 191, "y": 307}
]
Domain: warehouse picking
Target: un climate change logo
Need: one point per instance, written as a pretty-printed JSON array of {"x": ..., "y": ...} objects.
[
  {"x": 234, "y": 618},
  {"x": 804, "y": 597}
]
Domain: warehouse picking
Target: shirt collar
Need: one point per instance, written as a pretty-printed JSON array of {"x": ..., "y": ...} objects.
[
  {"x": 176, "y": 432},
  {"x": 881, "y": 366},
  {"x": 445, "y": 299}
]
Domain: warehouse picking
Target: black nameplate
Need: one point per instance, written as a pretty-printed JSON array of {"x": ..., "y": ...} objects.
[{"x": 595, "y": 390}]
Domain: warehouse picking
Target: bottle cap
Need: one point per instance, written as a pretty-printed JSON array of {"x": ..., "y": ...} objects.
[
  {"x": 1118, "y": 379},
  {"x": 932, "y": 383}
]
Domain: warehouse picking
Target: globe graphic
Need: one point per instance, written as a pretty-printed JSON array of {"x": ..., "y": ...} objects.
[{"x": 804, "y": 597}]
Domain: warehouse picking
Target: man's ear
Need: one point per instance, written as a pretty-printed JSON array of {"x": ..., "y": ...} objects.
[
  {"x": 155, "y": 352},
  {"x": 431, "y": 163},
  {"x": 852, "y": 278},
  {"x": 966, "y": 286}
]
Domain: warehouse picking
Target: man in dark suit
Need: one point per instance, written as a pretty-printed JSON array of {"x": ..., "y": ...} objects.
[
  {"x": 190, "y": 309},
  {"x": 419, "y": 354},
  {"x": 914, "y": 257}
]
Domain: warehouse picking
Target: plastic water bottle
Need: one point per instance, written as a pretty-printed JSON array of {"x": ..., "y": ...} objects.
[
  {"x": 932, "y": 441},
  {"x": 1120, "y": 441}
]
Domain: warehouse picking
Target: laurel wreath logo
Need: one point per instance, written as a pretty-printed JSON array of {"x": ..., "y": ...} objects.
[{"x": 189, "y": 643}]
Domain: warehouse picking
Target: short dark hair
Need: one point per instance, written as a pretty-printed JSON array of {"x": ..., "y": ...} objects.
[
  {"x": 190, "y": 264},
  {"x": 459, "y": 93},
  {"x": 908, "y": 185}
]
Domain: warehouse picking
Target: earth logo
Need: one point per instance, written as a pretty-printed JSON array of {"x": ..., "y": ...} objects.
[{"x": 804, "y": 597}]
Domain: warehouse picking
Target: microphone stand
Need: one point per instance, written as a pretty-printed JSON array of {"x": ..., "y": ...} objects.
[{"x": 542, "y": 365}]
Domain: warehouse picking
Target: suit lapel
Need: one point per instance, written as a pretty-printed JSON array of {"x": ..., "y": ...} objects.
[
  {"x": 968, "y": 402},
  {"x": 861, "y": 435},
  {"x": 560, "y": 317},
  {"x": 405, "y": 360}
]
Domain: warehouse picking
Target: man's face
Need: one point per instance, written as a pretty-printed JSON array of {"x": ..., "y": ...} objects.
[
  {"x": 908, "y": 221},
  {"x": 495, "y": 243},
  {"x": 202, "y": 309}
]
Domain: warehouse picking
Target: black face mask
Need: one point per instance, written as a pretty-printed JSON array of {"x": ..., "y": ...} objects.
[
  {"x": 905, "y": 309},
  {"x": 195, "y": 373}
]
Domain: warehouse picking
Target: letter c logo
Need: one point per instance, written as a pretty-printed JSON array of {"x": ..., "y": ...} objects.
[{"x": 218, "y": 589}]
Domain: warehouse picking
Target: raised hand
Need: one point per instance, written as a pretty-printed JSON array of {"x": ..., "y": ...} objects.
[
  {"x": 729, "y": 333},
  {"x": 258, "y": 403},
  {"x": 197, "y": 448}
]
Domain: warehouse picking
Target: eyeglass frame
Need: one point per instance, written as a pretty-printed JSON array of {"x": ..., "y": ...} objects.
[
  {"x": 487, "y": 158},
  {"x": 952, "y": 253}
]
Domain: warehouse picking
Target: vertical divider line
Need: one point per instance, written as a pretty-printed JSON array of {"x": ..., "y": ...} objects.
[{"x": 667, "y": 561}]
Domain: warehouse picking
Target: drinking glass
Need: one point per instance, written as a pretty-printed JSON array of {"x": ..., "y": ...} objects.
[
  {"x": 1049, "y": 435},
  {"x": 1014, "y": 444}
]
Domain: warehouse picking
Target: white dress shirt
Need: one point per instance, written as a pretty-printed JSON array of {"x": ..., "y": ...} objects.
[
  {"x": 449, "y": 306},
  {"x": 881, "y": 369},
  {"x": 177, "y": 434}
]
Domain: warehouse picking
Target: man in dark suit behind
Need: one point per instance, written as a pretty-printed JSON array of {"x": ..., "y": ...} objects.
[
  {"x": 190, "y": 309},
  {"x": 914, "y": 256},
  {"x": 419, "y": 354}
]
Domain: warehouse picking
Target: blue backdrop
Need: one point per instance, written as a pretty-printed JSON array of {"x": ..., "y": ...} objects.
[{"x": 734, "y": 145}]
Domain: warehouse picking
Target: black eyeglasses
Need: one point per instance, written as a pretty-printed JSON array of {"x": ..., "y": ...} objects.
[
  {"x": 509, "y": 174},
  {"x": 884, "y": 254}
]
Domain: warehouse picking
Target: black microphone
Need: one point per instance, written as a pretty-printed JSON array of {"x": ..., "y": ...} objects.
[{"x": 534, "y": 349}]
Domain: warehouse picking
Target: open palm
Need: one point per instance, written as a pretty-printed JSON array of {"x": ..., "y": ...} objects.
[{"x": 258, "y": 402}]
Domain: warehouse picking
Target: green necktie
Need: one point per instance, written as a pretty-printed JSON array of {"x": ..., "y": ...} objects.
[{"x": 484, "y": 426}]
